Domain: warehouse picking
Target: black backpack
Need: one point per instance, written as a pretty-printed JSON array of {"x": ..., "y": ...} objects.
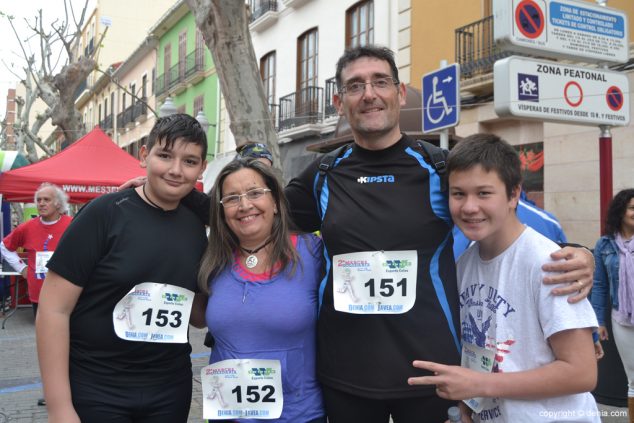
[{"x": 433, "y": 154}]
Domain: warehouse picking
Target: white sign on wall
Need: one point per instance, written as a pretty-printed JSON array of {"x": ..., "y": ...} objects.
[
  {"x": 550, "y": 91},
  {"x": 106, "y": 21},
  {"x": 552, "y": 28}
]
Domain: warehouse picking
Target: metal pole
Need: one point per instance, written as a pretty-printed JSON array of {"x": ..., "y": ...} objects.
[
  {"x": 444, "y": 133},
  {"x": 605, "y": 172},
  {"x": 605, "y": 163}
]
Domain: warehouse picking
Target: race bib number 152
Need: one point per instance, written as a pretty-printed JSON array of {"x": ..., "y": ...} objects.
[{"x": 242, "y": 389}]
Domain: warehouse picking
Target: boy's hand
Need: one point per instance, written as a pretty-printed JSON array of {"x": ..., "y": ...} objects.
[
  {"x": 452, "y": 382},
  {"x": 603, "y": 333},
  {"x": 598, "y": 350},
  {"x": 577, "y": 269}
]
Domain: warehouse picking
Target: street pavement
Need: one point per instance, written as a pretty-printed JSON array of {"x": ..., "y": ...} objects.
[{"x": 20, "y": 384}]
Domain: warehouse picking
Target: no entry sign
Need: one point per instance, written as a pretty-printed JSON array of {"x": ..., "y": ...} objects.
[
  {"x": 549, "y": 91},
  {"x": 529, "y": 19},
  {"x": 614, "y": 98},
  {"x": 562, "y": 29}
]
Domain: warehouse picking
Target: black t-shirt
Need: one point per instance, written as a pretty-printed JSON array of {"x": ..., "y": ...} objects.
[
  {"x": 383, "y": 200},
  {"x": 114, "y": 243}
]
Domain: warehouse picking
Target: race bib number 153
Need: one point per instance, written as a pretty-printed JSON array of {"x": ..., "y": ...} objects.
[{"x": 154, "y": 312}]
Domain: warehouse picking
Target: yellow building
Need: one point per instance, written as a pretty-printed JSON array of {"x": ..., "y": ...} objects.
[
  {"x": 99, "y": 100},
  {"x": 461, "y": 31}
]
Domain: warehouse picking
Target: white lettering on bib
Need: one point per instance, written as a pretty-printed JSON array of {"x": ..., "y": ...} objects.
[
  {"x": 244, "y": 388},
  {"x": 478, "y": 359},
  {"x": 154, "y": 312},
  {"x": 41, "y": 259},
  {"x": 375, "y": 282}
]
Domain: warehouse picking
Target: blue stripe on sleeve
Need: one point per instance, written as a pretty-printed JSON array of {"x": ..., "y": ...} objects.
[
  {"x": 440, "y": 290},
  {"x": 437, "y": 198},
  {"x": 324, "y": 281},
  {"x": 440, "y": 207}
]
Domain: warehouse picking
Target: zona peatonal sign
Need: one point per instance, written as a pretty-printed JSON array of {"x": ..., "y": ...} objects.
[
  {"x": 550, "y": 91},
  {"x": 552, "y": 28}
]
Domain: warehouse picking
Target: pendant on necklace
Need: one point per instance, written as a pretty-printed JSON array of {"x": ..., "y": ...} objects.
[{"x": 251, "y": 261}]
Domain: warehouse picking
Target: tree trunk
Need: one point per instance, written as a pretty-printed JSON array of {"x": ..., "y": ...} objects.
[
  {"x": 223, "y": 24},
  {"x": 63, "y": 114}
]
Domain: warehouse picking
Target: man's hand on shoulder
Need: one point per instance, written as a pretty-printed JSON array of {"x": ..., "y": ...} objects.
[
  {"x": 576, "y": 269},
  {"x": 134, "y": 182}
]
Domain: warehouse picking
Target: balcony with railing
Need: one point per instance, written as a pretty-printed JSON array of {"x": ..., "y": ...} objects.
[
  {"x": 329, "y": 109},
  {"x": 132, "y": 114},
  {"x": 303, "y": 107},
  {"x": 176, "y": 75},
  {"x": 125, "y": 119},
  {"x": 160, "y": 85},
  {"x": 263, "y": 14},
  {"x": 106, "y": 123},
  {"x": 175, "y": 80},
  {"x": 195, "y": 66},
  {"x": 120, "y": 123},
  {"x": 139, "y": 110},
  {"x": 476, "y": 51}
]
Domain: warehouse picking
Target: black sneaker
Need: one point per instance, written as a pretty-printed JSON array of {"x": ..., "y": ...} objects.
[{"x": 41, "y": 401}]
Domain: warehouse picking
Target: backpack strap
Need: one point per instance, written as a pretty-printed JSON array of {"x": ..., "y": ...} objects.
[
  {"x": 438, "y": 159},
  {"x": 435, "y": 155},
  {"x": 327, "y": 162}
]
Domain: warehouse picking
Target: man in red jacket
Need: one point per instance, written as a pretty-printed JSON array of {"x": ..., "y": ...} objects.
[{"x": 39, "y": 238}]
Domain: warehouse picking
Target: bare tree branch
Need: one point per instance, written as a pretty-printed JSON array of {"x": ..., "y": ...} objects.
[
  {"x": 43, "y": 80},
  {"x": 9, "y": 68},
  {"x": 26, "y": 56}
]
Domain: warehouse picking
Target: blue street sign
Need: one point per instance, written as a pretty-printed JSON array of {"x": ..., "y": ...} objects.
[{"x": 441, "y": 98}]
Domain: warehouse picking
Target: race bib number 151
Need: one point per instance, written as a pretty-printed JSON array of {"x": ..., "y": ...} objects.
[{"x": 375, "y": 282}]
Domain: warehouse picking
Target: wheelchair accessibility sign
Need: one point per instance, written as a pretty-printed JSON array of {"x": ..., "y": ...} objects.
[{"x": 441, "y": 98}]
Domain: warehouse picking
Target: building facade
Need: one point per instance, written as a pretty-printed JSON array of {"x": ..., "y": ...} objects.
[
  {"x": 185, "y": 72},
  {"x": 562, "y": 160},
  {"x": 121, "y": 86},
  {"x": 132, "y": 88},
  {"x": 297, "y": 44}
]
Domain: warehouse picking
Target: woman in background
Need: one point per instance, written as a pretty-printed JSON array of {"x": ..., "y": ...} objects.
[{"x": 613, "y": 289}]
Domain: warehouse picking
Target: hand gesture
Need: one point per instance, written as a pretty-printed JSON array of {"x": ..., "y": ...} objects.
[{"x": 452, "y": 382}]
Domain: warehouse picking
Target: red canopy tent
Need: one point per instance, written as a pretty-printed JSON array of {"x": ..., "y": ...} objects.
[{"x": 92, "y": 166}]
